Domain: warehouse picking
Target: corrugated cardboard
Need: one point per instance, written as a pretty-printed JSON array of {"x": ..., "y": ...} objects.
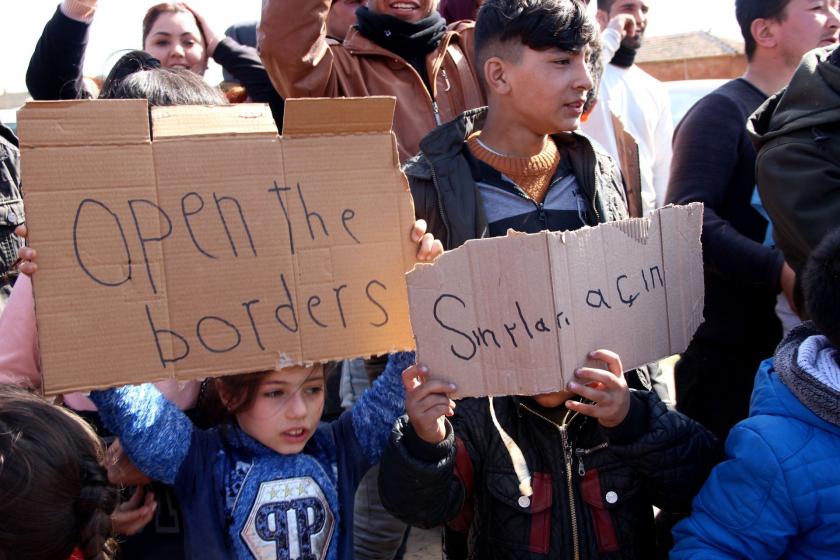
[
  {"x": 197, "y": 242},
  {"x": 517, "y": 315}
]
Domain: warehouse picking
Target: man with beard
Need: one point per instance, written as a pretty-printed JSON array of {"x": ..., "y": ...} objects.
[{"x": 633, "y": 117}]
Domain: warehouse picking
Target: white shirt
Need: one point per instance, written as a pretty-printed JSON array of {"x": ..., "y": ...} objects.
[{"x": 641, "y": 103}]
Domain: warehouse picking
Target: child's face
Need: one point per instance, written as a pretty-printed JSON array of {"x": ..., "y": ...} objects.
[
  {"x": 553, "y": 400},
  {"x": 286, "y": 410},
  {"x": 548, "y": 89}
]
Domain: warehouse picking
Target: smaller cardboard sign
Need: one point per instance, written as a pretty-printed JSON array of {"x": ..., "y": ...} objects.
[
  {"x": 189, "y": 242},
  {"x": 517, "y": 315}
]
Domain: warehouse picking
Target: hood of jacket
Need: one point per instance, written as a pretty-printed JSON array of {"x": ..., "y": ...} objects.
[
  {"x": 811, "y": 99},
  {"x": 774, "y": 393}
]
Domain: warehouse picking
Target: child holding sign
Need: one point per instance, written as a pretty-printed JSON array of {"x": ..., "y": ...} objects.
[
  {"x": 571, "y": 474},
  {"x": 269, "y": 482}
]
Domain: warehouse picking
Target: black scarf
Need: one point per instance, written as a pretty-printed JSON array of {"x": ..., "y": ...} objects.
[
  {"x": 411, "y": 41},
  {"x": 624, "y": 57}
]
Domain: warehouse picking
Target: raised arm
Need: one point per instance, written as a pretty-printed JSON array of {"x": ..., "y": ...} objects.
[
  {"x": 55, "y": 69},
  {"x": 155, "y": 434},
  {"x": 244, "y": 64},
  {"x": 292, "y": 39},
  {"x": 375, "y": 412}
]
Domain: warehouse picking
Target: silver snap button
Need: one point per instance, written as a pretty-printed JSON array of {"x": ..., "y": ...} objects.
[
  {"x": 11, "y": 217},
  {"x": 524, "y": 501},
  {"x": 611, "y": 497}
]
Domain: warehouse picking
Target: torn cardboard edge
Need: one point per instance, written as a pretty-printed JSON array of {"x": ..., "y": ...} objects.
[
  {"x": 47, "y": 128},
  {"x": 518, "y": 315}
]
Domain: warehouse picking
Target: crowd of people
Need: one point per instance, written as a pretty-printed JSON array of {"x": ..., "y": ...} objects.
[{"x": 528, "y": 115}]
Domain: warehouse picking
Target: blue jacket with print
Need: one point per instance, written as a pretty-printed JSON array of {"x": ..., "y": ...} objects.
[{"x": 241, "y": 499}]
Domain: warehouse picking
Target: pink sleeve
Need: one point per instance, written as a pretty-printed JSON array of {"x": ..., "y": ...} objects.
[{"x": 19, "y": 364}]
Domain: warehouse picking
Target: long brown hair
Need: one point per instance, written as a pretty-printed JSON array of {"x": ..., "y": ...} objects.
[
  {"x": 54, "y": 491},
  {"x": 153, "y": 13}
]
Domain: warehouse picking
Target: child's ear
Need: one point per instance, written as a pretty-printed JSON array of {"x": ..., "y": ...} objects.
[
  {"x": 603, "y": 19},
  {"x": 229, "y": 401},
  {"x": 495, "y": 75}
]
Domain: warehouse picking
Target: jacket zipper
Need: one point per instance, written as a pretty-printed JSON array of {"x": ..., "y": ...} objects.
[
  {"x": 437, "y": 198},
  {"x": 590, "y": 165},
  {"x": 581, "y": 453},
  {"x": 568, "y": 459}
]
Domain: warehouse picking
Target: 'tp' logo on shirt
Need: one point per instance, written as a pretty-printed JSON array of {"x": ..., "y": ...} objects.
[{"x": 290, "y": 520}]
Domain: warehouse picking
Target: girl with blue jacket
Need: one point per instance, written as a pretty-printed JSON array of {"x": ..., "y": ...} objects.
[{"x": 271, "y": 482}]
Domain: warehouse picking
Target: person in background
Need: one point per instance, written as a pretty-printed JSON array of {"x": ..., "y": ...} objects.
[
  {"x": 55, "y": 499},
  {"x": 633, "y": 118},
  {"x": 173, "y": 33},
  {"x": 457, "y": 10},
  {"x": 403, "y": 49},
  {"x": 777, "y": 494},
  {"x": 798, "y": 162},
  {"x": 714, "y": 163}
]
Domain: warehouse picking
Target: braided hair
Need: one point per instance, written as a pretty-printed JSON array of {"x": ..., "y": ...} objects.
[{"x": 54, "y": 492}]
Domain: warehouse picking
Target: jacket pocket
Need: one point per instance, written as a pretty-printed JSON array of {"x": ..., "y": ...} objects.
[
  {"x": 517, "y": 522},
  {"x": 604, "y": 499},
  {"x": 11, "y": 213}
]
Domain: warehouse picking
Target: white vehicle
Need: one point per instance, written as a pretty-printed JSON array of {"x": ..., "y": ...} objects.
[
  {"x": 9, "y": 118},
  {"x": 685, "y": 93}
]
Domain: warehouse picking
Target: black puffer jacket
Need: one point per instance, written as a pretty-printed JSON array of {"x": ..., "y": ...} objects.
[
  {"x": 593, "y": 487},
  {"x": 444, "y": 190}
]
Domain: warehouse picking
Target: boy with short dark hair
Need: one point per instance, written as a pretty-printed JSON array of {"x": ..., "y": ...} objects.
[
  {"x": 571, "y": 474},
  {"x": 777, "y": 494}
]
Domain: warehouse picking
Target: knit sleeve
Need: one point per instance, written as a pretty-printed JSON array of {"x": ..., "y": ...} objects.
[
  {"x": 155, "y": 434},
  {"x": 377, "y": 409}
]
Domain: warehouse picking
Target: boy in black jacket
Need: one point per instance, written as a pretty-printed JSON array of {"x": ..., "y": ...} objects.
[{"x": 571, "y": 474}]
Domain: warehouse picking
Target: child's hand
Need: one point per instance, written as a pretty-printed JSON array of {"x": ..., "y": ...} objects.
[
  {"x": 26, "y": 261},
  {"x": 427, "y": 402},
  {"x": 130, "y": 517},
  {"x": 625, "y": 24},
  {"x": 428, "y": 248},
  {"x": 607, "y": 389}
]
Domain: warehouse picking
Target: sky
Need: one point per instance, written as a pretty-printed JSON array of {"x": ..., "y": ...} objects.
[{"x": 117, "y": 27}]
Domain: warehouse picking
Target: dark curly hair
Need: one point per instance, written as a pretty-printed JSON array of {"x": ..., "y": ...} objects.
[{"x": 54, "y": 492}]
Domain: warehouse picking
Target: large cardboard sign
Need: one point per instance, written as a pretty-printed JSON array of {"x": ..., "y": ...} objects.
[
  {"x": 195, "y": 241},
  {"x": 517, "y": 315}
]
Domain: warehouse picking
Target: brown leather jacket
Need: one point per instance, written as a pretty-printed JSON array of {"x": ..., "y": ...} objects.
[{"x": 302, "y": 63}]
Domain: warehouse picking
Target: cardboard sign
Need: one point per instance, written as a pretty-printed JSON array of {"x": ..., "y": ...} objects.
[
  {"x": 197, "y": 242},
  {"x": 517, "y": 315}
]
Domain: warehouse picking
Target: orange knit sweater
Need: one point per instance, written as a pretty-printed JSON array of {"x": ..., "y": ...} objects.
[{"x": 532, "y": 174}]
